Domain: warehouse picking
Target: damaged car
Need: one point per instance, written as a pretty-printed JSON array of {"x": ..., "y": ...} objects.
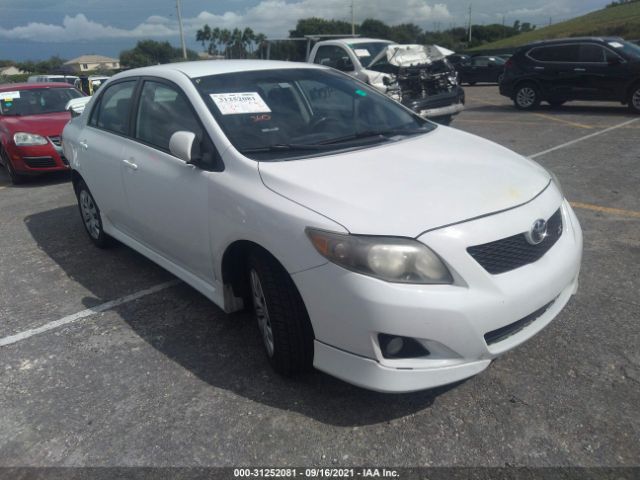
[{"x": 418, "y": 76}]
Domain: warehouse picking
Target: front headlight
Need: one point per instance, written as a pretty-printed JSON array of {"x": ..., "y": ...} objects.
[
  {"x": 22, "y": 139},
  {"x": 398, "y": 260}
]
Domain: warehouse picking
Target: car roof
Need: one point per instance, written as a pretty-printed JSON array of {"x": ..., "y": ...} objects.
[
  {"x": 560, "y": 41},
  {"x": 33, "y": 86},
  {"x": 355, "y": 41},
  {"x": 204, "y": 68}
]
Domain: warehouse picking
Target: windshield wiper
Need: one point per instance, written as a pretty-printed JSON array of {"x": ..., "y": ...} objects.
[
  {"x": 281, "y": 147},
  {"x": 382, "y": 134}
]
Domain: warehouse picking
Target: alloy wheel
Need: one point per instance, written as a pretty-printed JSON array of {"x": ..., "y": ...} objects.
[
  {"x": 635, "y": 99},
  {"x": 526, "y": 97},
  {"x": 90, "y": 214},
  {"x": 261, "y": 311}
]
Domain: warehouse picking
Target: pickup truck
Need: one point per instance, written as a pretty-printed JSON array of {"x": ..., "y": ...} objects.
[{"x": 418, "y": 76}]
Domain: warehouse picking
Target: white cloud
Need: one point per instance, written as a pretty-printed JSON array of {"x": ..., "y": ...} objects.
[{"x": 273, "y": 17}]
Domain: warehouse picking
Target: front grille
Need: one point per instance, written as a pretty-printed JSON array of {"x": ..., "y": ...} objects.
[
  {"x": 514, "y": 252},
  {"x": 56, "y": 140},
  {"x": 503, "y": 333},
  {"x": 39, "y": 162}
]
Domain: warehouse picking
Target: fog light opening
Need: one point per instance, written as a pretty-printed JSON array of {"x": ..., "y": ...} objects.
[{"x": 394, "y": 346}]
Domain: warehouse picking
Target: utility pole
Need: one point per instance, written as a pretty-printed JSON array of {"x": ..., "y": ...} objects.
[
  {"x": 470, "y": 27},
  {"x": 353, "y": 18},
  {"x": 184, "y": 47}
]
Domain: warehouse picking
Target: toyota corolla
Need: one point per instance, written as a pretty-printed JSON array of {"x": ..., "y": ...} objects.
[{"x": 370, "y": 243}]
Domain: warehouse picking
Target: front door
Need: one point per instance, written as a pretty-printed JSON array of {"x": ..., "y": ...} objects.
[{"x": 167, "y": 198}]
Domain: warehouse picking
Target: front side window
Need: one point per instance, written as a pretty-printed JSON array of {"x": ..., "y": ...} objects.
[
  {"x": 112, "y": 113},
  {"x": 333, "y": 56},
  {"x": 480, "y": 62},
  {"x": 280, "y": 114},
  {"x": 163, "y": 111},
  {"x": 592, "y": 53},
  {"x": 36, "y": 101}
]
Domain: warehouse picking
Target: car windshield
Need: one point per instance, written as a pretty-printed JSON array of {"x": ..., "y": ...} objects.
[
  {"x": 287, "y": 113},
  {"x": 36, "y": 101},
  {"x": 628, "y": 48},
  {"x": 366, "y": 52}
]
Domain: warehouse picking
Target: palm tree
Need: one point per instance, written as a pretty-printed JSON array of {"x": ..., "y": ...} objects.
[
  {"x": 214, "y": 40},
  {"x": 248, "y": 37},
  {"x": 225, "y": 39},
  {"x": 261, "y": 40},
  {"x": 236, "y": 43},
  {"x": 203, "y": 35}
]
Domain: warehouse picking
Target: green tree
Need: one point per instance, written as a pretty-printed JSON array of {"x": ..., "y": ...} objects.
[{"x": 151, "y": 52}]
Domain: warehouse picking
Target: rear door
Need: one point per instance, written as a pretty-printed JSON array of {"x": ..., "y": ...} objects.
[
  {"x": 559, "y": 67},
  {"x": 167, "y": 198},
  {"x": 100, "y": 146}
]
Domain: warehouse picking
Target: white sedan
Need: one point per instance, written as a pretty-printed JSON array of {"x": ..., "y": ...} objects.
[{"x": 373, "y": 245}]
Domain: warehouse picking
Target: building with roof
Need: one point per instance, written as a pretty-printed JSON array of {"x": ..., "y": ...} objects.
[{"x": 90, "y": 63}]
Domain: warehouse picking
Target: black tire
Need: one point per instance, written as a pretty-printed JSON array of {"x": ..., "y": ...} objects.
[
  {"x": 14, "y": 178},
  {"x": 557, "y": 103},
  {"x": 292, "y": 337},
  {"x": 499, "y": 78},
  {"x": 634, "y": 98},
  {"x": 91, "y": 217},
  {"x": 527, "y": 97}
]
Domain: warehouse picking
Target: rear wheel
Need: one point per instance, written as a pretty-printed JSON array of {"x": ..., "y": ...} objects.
[
  {"x": 91, "y": 218},
  {"x": 282, "y": 318},
  {"x": 634, "y": 99},
  {"x": 526, "y": 97}
]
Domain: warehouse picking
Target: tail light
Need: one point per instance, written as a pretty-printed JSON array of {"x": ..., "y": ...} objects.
[{"x": 509, "y": 64}]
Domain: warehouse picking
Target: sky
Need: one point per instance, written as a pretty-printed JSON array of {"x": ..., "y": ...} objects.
[{"x": 37, "y": 29}]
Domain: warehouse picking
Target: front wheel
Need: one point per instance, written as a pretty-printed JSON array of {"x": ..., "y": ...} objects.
[
  {"x": 91, "y": 216},
  {"x": 526, "y": 97},
  {"x": 14, "y": 178},
  {"x": 282, "y": 318},
  {"x": 634, "y": 99}
]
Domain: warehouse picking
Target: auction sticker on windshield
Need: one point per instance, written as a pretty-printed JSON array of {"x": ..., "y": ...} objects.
[
  {"x": 9, "y": 95},
  {"x": 238, "y": 103}
]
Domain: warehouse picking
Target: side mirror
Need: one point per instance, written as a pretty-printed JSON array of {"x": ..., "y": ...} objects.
[
  {"x": 345, "y": 65},
  {"x": 181, "y": 145},
  {"x": 76, "y": 106}
]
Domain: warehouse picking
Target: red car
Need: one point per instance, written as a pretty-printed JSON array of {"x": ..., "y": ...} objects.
[{"x": 32, "y": 117}]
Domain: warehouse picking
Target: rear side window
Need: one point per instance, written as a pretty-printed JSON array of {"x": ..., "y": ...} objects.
[
  {"x": 480, "y": 61},
  {"x": 112, "y": 113},
  {"x": 557, "y": 53},
  {"x": 163, "y": 111},
  {"x": 592, "y": 53}
]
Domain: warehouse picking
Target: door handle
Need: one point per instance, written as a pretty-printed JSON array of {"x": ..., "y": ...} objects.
[
  {"x": 83, "y": 144},
  {"x": 579, "y": 69},
  {"x": 538, "y": 68},
  {"x": 130, "y": 164}
]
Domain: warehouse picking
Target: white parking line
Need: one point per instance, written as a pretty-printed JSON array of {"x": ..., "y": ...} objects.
[
  {"x": 586, "y": 137},
  {"x": 85, "y": 313}
]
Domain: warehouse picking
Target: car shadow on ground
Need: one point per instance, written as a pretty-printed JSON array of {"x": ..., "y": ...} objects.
[
  {"x": 35, "y": 181},
  {"x": 223, "y": 350}
]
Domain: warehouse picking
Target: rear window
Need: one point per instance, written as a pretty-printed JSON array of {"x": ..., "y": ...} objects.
[{"x": 556, "y": 53}]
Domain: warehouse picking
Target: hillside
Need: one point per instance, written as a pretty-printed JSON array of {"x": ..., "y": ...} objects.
[{"x": 621, "y": 21}]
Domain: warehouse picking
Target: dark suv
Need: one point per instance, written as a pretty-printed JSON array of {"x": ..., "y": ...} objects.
[{"x": 557, "y": 71}]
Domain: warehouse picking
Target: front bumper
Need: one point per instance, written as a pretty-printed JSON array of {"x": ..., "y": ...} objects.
[
  {"x": 37, "y": 159},
  {"x": 444, "y": 104},
  {"x": 349, "y": 310}
]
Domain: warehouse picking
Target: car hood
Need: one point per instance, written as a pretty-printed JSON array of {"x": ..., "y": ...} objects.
[
  {"x": 407, "y": 55},
  {"x": 410, "y": 186},
  {"x": 48, "y": 124}
]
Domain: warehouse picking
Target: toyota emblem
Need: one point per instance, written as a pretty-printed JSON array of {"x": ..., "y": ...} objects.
[{"x": 538, "y": 232}]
